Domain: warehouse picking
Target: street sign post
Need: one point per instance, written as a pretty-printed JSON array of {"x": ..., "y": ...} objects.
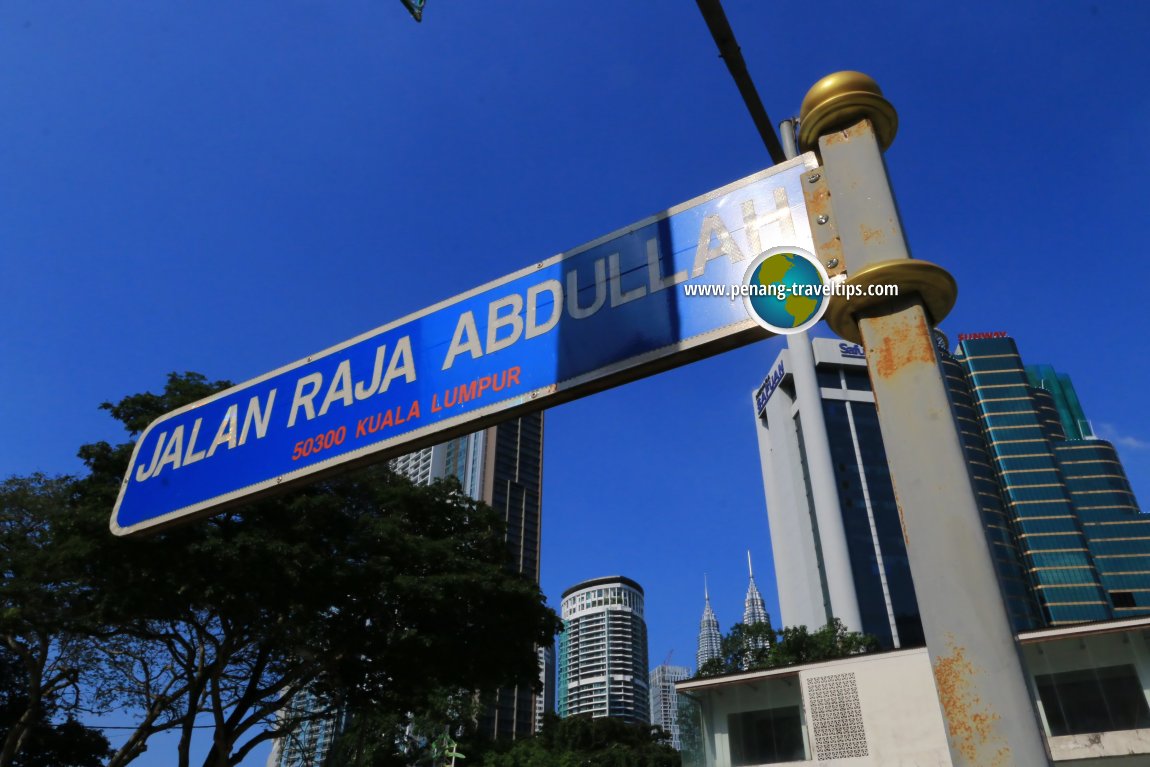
[
  {"x": 986, "y": 702},
  {"x": 617, "y": 309},
  {"x": 605, "y": 313}
]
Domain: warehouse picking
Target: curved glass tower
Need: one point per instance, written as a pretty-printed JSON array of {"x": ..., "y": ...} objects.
[{"x": 603, "y": 651}]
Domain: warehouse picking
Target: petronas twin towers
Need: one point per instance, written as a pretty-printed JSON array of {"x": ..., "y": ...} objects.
[
  {"x": 754, "y": 611},
  {"x": 709, "y": 636}
]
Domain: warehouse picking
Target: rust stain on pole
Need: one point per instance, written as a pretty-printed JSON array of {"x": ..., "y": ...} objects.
[
  {"x": 904, "y": 339},
  {"x": 970, "y": 723},
  {"x": 828, "y": 245},
  {"x": 820, "y": 202},
  {"x": 902, "y": 521},
  {"x": 876, "y": 236},
  {"x": 862, "y": 127}
]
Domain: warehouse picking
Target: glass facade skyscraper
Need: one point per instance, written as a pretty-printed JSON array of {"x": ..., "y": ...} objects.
[
  {"x": 1082, "y": 542},
  {"x": 310, "y": 741},
  {"x": 1066, "y": 536},
  {"x": 996, "y": 520}
]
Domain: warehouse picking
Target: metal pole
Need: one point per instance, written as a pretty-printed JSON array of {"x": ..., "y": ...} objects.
[
  {"x": 790, "y": 141},
  {"x": 840, "y": 582},
  {"x": 990, "y": 718}
]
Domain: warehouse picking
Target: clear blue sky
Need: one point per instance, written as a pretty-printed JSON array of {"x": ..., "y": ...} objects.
[{"x": 228, "y": 187}]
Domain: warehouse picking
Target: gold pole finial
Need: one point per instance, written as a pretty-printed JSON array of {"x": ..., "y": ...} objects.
[{"x": 840, "y": 100}]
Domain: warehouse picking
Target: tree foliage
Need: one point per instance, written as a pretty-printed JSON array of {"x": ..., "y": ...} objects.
[
  {"x": 580, "y": 740},
  {"x": 373, "y": 737},
  {"x": 759, "y": 646},
  {"x": 365, "y": 591},
  {"x": 61, "y": 744},
  {"x": 43, "y": 651}
]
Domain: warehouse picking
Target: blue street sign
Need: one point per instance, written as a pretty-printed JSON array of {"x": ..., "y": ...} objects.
[{"x": 610, "y": 311}]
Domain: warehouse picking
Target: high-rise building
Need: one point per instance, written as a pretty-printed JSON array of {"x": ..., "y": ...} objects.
[
  {"x": 710, "y": 640},
  {"x": 310, "y": 741},
  {"x": 603, "y": 650},
  {"x": 462, "y": 458},
  {"x": 754, "y": 611},
  {"x": 665, "y": 700},
  {"x": 835, "y": 529},
  {"x": 503, "y": 467},
  {"x": 1064, "y": 530},
  {"x": 1082, "y": 543},
  {"x": 545, "y": 703}
]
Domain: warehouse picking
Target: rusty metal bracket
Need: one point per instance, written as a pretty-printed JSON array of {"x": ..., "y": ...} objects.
[
  {"x": 824, "y": 228},
  {"x": 930, "y": 282}
]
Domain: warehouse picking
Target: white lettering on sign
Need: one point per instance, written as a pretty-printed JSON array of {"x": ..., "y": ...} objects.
[{"x": 580, "y": 293}]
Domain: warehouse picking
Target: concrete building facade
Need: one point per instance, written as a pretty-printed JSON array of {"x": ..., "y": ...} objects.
[{"x": 1090, "y": 685}]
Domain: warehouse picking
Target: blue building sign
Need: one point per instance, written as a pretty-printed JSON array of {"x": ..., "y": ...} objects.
[
  {"x": 854, "y": 351},
  {"x": 767, "y": 388},
  {"x": 610, "y": 311}
]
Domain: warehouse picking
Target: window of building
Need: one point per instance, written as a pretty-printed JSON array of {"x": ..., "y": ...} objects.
[
  {"x": 857, "y": 378},
  {"x": 1093, "y": 700},
  {"x": 1122, "y": 598},
  {"x": 828, "y": 378},
  {"x": 766, "y": 736}
]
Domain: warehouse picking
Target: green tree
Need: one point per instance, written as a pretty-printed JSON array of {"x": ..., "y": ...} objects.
[
  {"x": 580, "y": 740},
  {"x": 744, "y": 648},
  {"x": 63, "y": 744},
  {"x": 365, "y": 591},
  {"x": 44, "y": 657},
  {"x": 759, "y": 646},
  {"x": 372, "y": 737},
  {"x": 798, "y": 645}
]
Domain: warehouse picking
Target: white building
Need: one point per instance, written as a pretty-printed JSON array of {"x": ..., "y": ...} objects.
[
  {"x": 603, "y": 650},
  {"x": 835, "y": 529},
  {"x": 462, "y": 458},
  {"x": 1090, "y": 684}
]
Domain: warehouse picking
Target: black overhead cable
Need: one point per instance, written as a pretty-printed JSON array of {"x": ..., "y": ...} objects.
[{"x": 716, "y": 19}]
